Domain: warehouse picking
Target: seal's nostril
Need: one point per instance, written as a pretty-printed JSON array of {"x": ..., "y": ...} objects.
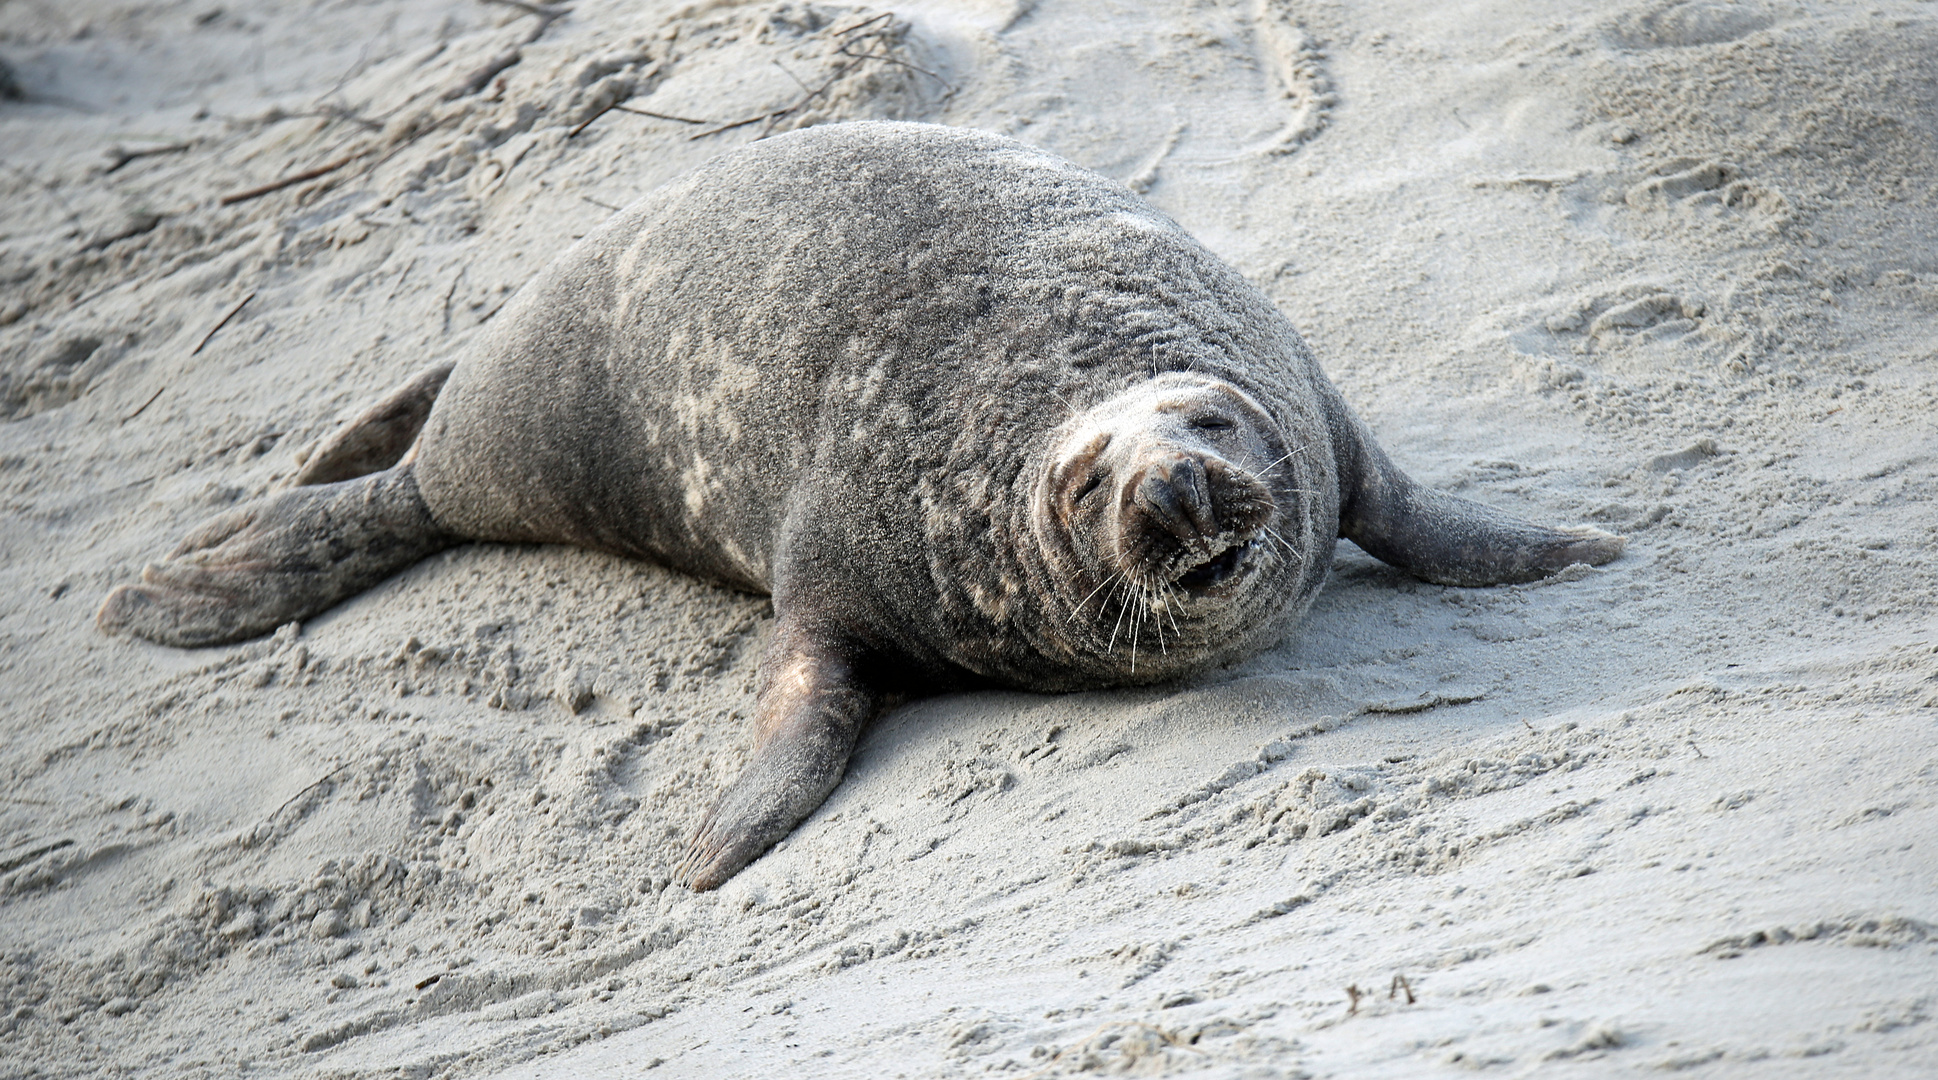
[
  {"x": 1176, "y": 493},
  {"x": 1159, "y": 497},
  {"x": 1194, "y": 493}
]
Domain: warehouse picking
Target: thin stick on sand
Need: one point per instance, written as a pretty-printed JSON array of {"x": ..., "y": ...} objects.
[
  {"x": 144, "y": 405},
  {"x": 319, "y": 782},
  {"x": 847, "y": 37},
  {"x": 287, "y": 181},
  {"x": 660, "y": 115},
  {"x": 122, "y": 155},
  {"x": 225, "y": 321}
]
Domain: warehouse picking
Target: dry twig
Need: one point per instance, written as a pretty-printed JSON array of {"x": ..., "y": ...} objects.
[
  {"x": 847, "y": 37},
  {"x": 144, "y": 405},
  {"x": 897, "y": 61},
  {"x": 320, "y": 781},
  {"x": 1400, "y": 984},
  {"x": 660, "y": 115},
  {"x": 225, "y": 321},
  {"x": 588, "y": 121},
  {"x": 289, "y": 181},
  {"x": 122, "y": 155}
]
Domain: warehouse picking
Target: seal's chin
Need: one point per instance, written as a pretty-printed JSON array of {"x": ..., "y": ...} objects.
[{"x": 1206, "y": 576}]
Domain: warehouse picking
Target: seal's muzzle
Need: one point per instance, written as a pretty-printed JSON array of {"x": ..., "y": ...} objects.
[{"x": 1190, "y": 518}]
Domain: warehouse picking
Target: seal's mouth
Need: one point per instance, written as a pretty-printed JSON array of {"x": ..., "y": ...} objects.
[{"x": 1209, "y": 574}]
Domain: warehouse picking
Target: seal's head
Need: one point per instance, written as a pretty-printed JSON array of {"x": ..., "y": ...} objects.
[{"x": 1176, "y": 504}]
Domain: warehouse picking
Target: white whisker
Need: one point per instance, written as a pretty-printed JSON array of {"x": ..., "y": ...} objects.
[
  {"x": 1282, "y": 542},
  {"x": 1093, "y": 592},
  {"x": 1289, "y": 454},
  {"x": 1121, "y": 609}
]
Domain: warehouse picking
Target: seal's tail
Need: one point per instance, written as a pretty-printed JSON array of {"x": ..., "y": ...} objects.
[{"x": 285, "y": 556}]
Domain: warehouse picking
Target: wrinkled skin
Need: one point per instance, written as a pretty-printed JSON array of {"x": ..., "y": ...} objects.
[{"x": 970, "y": 414}]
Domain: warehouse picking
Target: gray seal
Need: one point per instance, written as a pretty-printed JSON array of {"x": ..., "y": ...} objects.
[{"x": 970, "y": 414}]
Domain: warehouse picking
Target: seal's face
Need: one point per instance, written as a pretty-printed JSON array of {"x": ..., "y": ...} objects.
[{"x": 1166, "y": 497}]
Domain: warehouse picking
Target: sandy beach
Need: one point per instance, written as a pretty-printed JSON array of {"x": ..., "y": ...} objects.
[{"x": 1668, "y": 269}]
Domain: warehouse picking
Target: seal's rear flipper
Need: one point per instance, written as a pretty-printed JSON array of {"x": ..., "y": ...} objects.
[
  {"x": 379, "y": 436},
  {"x": 811, "y": 707},
  {"x": 1446, "y": 539},
  {"x": 282, "y": 557}
]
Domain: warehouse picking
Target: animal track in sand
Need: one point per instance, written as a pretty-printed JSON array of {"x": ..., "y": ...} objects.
[
  {"x": 1297, "y": 67},
  {"x": 54, "y": 373},
  {"x": 1598, "y": 319},
  {"x": 1692, "y": 182}
]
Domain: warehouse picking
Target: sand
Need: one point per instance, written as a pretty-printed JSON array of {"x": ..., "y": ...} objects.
[{"x": 1667, "y": 268}]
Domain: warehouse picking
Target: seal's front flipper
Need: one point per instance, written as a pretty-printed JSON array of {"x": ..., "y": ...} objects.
[
  {"x": 1446, "y": 539},
  {"x": 811, "y": 707},
  {"x": 285, "y": 556},
  {"x": 379, "y": 436}
]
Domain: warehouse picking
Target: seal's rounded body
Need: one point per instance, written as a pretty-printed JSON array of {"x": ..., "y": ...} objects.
[
  {"x": 854, "y": 340},
  {"x": 964, "y": 409}
]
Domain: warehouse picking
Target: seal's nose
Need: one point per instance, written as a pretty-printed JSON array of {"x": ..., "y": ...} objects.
[{"x": 1175, "y": 492}]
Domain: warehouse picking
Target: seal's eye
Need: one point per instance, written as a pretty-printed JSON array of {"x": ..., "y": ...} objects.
[
  {"x": 1211, "y": 422},
  {"x": 1090, "y": 485}
]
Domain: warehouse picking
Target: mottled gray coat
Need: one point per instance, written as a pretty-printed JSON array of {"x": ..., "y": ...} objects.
[{"x": 854, "y": 341}]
